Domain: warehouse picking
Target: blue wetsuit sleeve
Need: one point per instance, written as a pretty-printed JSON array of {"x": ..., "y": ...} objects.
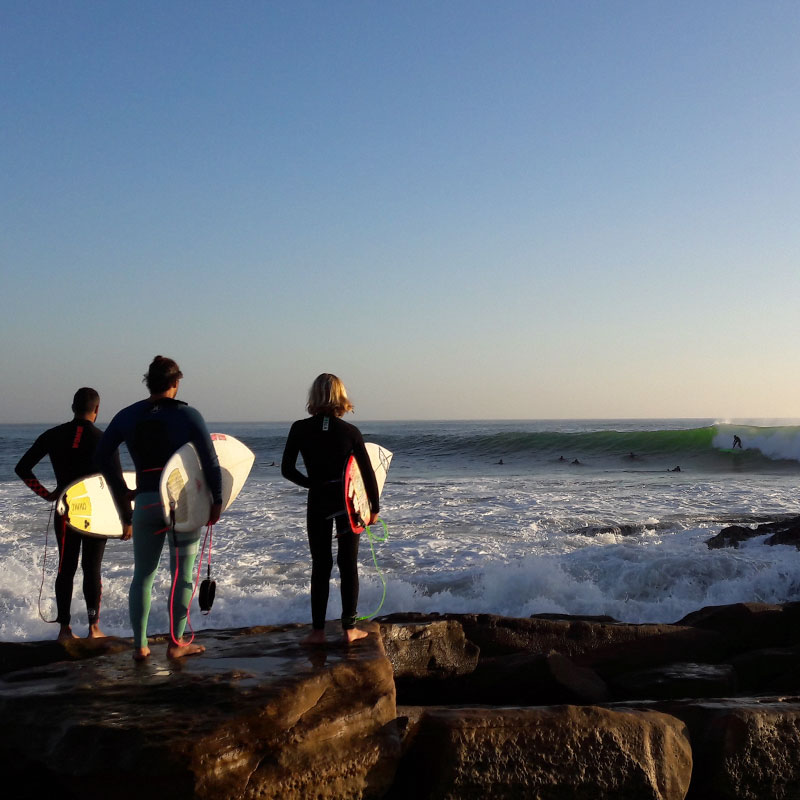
[
  {"x": 201, "y": 439},
  {"x": 289, "y": 461},
  {"x": 107, "y": 457}
]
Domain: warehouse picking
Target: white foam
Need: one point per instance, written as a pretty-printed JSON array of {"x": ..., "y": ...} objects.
[{"x": 459, "y": 545}]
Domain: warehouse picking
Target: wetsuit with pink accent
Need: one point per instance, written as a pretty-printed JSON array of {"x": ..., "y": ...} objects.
[
  {"x": 70, "y": 448},
  {"x": 153, "y": 430}
]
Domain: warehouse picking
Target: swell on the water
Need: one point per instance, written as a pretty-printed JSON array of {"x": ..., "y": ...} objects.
[{"x": 708, "y": 447}]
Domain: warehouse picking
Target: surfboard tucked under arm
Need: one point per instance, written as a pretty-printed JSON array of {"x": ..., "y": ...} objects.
[
  {"x": 90, "y": 508},
  {"x": 355, "y": 494},
  {"x": 183, "y": 488}
]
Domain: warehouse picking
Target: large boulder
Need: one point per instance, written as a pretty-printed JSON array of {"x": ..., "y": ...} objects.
[
  {"x": 744, "y": 748},
  {"x": 256, "y": 716},
  {"x": 436, "y": 649},
  {"x": 582, "y": 753},
  {"x": 748, "y": 626},
  {"x": 609, "y": 648}
]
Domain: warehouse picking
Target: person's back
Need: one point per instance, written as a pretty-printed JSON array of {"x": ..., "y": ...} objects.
[
  {"x": 71, "y": 449},
  {"x": 325, "y": 443}
]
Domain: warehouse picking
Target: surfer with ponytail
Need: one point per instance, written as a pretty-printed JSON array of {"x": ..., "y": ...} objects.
[
  {"x": 325, "y": 441},
  {"x": 153, "y": 429}
]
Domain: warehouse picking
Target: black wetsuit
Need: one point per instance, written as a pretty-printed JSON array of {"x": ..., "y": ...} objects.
[
  {"x": 326, "y": 443},
  {"x": 71, "y": 448}
]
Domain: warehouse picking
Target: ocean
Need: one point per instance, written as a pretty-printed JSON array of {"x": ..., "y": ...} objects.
[{"x": 619, "y": 533}]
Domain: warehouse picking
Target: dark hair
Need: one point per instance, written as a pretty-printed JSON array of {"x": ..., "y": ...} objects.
[
  {"x": 85, "y": 401},
  {"x": 161, "y": 374}
]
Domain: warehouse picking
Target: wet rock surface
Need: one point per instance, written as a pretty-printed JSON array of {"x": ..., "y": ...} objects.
[
  {"x": 491, "y": 707},
  {"x": 256, "y": 716}
]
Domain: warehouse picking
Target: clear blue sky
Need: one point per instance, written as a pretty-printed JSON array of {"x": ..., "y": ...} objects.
[{"x": 464, "y": 209}]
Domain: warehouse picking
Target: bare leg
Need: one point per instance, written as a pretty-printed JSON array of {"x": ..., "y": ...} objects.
[
  {"x": 141, "y": 653},
  {"x": 182, "y": 650},
  {"x": 65, "y": 634},
  {"x": 95, "y": 632},
  {"x": 353, "y": 635}
]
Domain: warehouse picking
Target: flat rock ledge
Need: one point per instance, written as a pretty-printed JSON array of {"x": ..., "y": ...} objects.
[{"x": 428, "y": 706}]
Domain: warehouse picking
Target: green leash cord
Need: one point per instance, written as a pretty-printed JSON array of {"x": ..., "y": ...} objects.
[{"x": 372, "y": 540}]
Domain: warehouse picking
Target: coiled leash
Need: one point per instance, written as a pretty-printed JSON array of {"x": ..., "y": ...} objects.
[
  {"x": 372, "y": 539},
  {"x": 207, "y": 589}
]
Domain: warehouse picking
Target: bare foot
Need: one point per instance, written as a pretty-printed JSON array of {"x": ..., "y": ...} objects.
[
  {"x": 65, "y": 634},
  {"x": 95, "y": 632},
  {"x": 353, "y": 635},
  {"x": 141, "y": 653},
  {"x": 315, "y": 637},
  {"x": 181, "y": 650}
]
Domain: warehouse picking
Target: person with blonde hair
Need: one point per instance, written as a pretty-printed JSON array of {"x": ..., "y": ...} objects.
[{"x": 326, "y": 442}]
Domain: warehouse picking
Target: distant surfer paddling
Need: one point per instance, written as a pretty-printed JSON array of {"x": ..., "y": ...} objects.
[
  {"x": 70, "y": 448},
  {"x": 325, "y": 442},
  {"x": 153, "y": 429}
]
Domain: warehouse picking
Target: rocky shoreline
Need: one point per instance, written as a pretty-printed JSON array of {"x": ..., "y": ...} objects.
[{"x": 429, "y": 706}]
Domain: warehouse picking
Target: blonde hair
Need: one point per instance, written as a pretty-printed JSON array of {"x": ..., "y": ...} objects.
[{"x": 327, "y": 395}]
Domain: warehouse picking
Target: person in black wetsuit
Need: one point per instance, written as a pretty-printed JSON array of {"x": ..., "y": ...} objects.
[
  {"x": 325, "y": 442},
  {"x": 153, "y": 429},
  {"x": 71, "y": 449}
]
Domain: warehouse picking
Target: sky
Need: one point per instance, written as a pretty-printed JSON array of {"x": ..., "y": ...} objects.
[{"x": 466, "y": 210}]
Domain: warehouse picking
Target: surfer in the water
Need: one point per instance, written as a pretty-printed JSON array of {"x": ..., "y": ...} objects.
[
  {"x": 737, "y": 442},
  {"x": 153, "y": 429},
  {"x": 326, "y": 442},
  {"x": 70, "y": 448}
]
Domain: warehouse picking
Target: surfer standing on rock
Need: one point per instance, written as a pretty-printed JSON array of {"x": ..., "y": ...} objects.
[
  {"x": 153, "y": 429},
  {"x": 70, "y": 448},
  {"x": 325, "y": 442}
]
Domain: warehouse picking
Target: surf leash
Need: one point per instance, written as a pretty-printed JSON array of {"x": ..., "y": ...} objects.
[
  {"x": 44, "y": 565},
  {"x": 210, "y": 592},
  {"x": 372, "y": 539}
]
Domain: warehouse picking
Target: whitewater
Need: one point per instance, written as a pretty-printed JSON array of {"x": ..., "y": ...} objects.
[{"x": 620, "y": 533}]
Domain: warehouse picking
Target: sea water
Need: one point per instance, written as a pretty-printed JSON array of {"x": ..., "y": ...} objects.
[{"x": 618, "y": 533}]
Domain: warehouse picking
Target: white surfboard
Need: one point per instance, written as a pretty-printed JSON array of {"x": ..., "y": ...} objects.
[
  {"x": 183, "y": 488},
  {"x": 90, "y": 508},
  {"x": 355, "y": 493}
]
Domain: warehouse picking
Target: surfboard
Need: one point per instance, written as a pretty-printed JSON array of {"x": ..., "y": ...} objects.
[
  {"x": 183, "y": 488},
  {"x": 355, "y": 493},
  {"x": 89, "y": 505}
]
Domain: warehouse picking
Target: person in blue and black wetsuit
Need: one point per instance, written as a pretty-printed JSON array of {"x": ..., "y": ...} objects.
[
  {"x": 325, "y": 442},
  {"x": 153, "y": 429},
  {"x": 71, "y": 448}
]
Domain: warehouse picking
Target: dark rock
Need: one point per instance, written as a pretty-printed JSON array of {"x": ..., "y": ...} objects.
[
  {"x": 608, "y": 648},
  {"x": 434, "y": 650},
  {"x": 789, "y": 536},
  {"x": 786, "y": 531},
  {"x": 744, "y": 749},
  {"x": 256, "y": 716},
  {"x": 546, "y": 753},
  {"x": 675, "y": 681},
  {"x": 774, "y": 669},
  {"x": 526, "y": 680},
  {"x": 21, "y": 655},
  {"x": 747, "y": 626}
]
